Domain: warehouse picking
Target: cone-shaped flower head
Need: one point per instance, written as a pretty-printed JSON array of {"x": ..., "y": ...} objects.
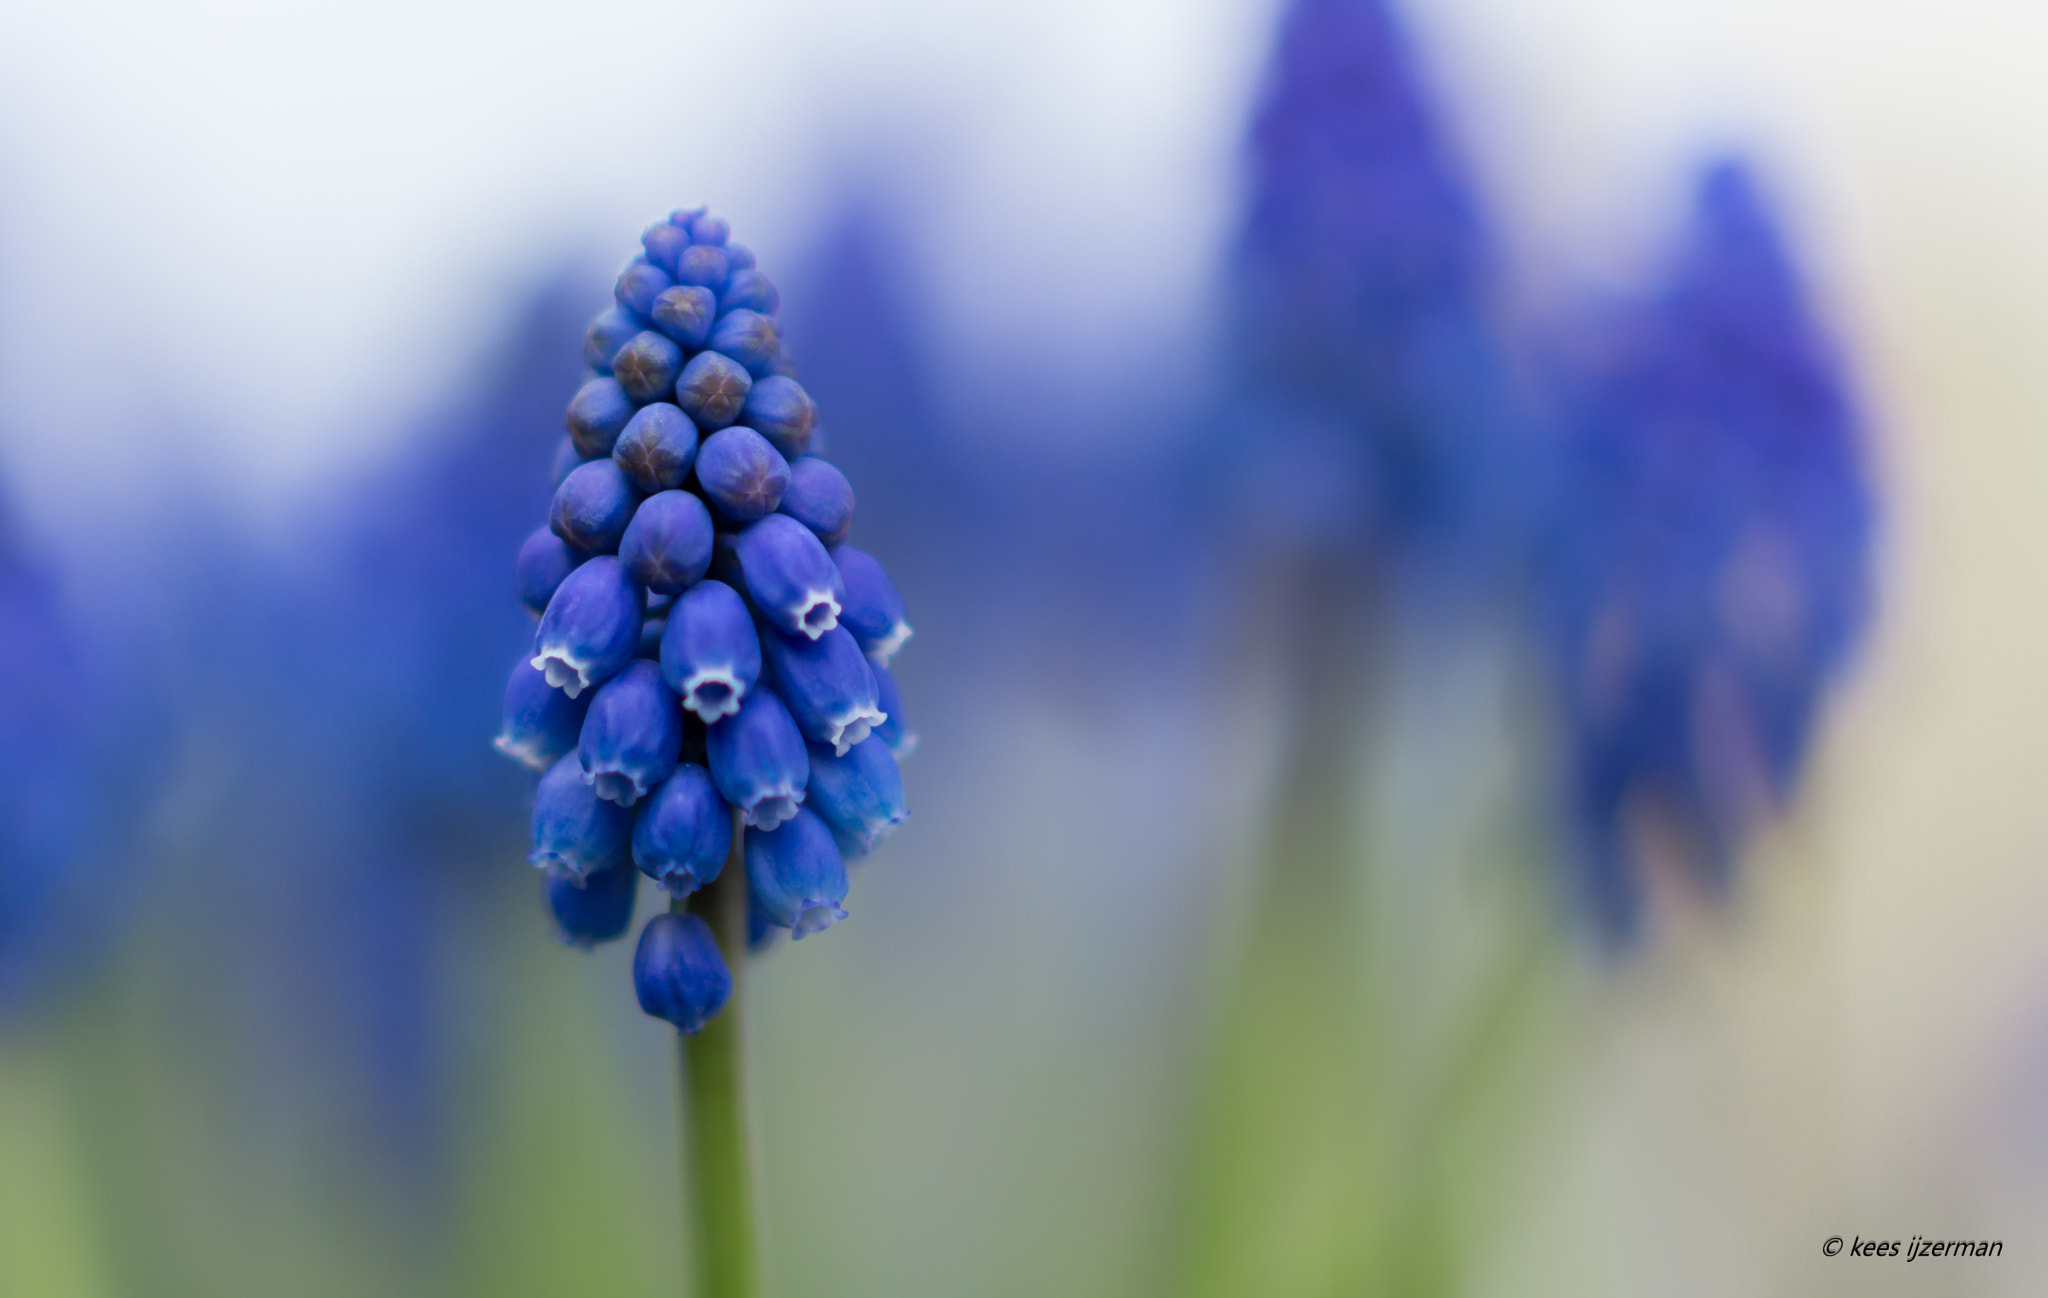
[
  {"x": 1713, "y": 538},
  {"x": 593, "y": 910},
  {"x": 645, "y": 699},
  {"x": 683, "y": 834},
  {"x": 796, "y": 875},
  {"x": 678, "y": 973}
]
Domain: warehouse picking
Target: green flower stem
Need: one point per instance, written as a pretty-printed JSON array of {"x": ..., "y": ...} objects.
[{"x": 718, "y": 1169}]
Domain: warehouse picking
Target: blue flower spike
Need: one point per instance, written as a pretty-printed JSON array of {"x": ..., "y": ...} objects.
[
  {"x": 663, "y": 243},
  {"x": 750, "y": 290},
  {"x": 593, "y": 506},
  {"x": 758, "y": 760},
  {"x": 657, "y": 448},
  {"x": 819, "y": 497},
  {"x": 827, "y": 685},
  {"x": 712, "y": 389},
  {"x": 632, "y": 736},
  {"x": 684, "y": 833},
  {"x": 575, "y": 832},
  {"x": 639, "y": 284},
  {"x": 678, "y": 973},
  {"x": 796, "y": 875},
  {"x": 597, "y": 415},
  {"x": 703, "y": 266},
  {"x": 742, "y": 473},
  {"x": 685, "y": 313},
  {"x": 791, "y": 578},
  {"x": 667, "y": 546},
  {"x": 545, "y": 560},
  {"x": 705, "y": 228},
  {"x": 780, "y": 410},
  {"x": 606, "y": 335},
  {"x": 749, "y": 338},
  {"x": 593, "y": 910},
  {"x": 710, "y": 652},
  {"x": 647, "y": 366},
  {"x": 873, "y": 610},
  {"x": 542, "y": 724},
  {"x": 592, "y": 627},
  {"x": 858, "y": 793}
]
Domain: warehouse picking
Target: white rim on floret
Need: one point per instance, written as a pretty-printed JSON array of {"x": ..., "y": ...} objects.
[
  {"x": 852, "y": 726},
  {"x": 564, "y": 670},
  {"x": 736, "y": 691},
  {"x": 770, "y": 810},
  {"x": 807, "y": 609},
  {"x": 611, "y": 780},
  {"x": 886, "y": 648},
  {"x": 873, "y": 833},
  {"x": 814, "y": 917},
  {"x": 526, "y": 751}
]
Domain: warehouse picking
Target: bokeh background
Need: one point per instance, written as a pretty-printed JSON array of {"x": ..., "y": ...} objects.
[{"x": 1153, "y": 995}]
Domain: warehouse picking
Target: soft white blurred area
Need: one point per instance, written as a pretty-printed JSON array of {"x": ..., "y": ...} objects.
[{"x": 282, "y": 226}]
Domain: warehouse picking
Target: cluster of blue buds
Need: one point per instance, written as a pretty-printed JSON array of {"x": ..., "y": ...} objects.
[
  {"x": 1713, "y": 551},
  {"x": 711, "y": 666}
]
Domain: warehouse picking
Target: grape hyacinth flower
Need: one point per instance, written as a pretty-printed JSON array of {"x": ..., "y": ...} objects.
[
  {"x": 1712, "y": 556},
  {"x": 693, "y": 541}
]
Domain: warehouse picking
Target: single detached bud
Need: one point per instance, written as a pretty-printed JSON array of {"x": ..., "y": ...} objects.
[
  {"x": 633, "y": 735},
  {"x": 796, "y": 875},
  {"x": 646, "y": 367},
  {"x": 593, "y": 506},
  {"x": 819, "y": 497},
  {"x": 685, "y": 314},
  {"x": 758, "y": 760},
  {"x": 678, "y": 973},
  {"x": 749, "y": 290},
  {"x": 708, "y": 229},
  {"x": 657, "y": 448},
  {"x": 592, "y": 910},
  {"x": 575, "y": 832},
  {"x": 566, "y": 458},
  {"x": 738, "y": 258},
  {"x": 749, "y": 338},
  {"x": 664, "y": 242},
  {"x": 780, "y": 410},
  {"x": 895, "y": 731},
  {"x": 597, "y": 415},
  {"x": 872, "y": 610},
  {"x": 683, "y": 832},
  {"x": 703, "y": 266},
  {"x": 667, "y": 546},
  {"x": 606, "y": 335},
  {"x": 792, "y": 580},
  {"x": 742, "y": 473},
  {"x": 859, "y": 793},
  {"x": 544, "y": 560},
  {"x": 639, "y": 284},
  {"x": 710, "y": 654},
  {"x": 541, "y": 722},
  {"x": 712, "y": 389},
  {"x": 592, "y": 627},
  {"x": 828, "y": 687}
]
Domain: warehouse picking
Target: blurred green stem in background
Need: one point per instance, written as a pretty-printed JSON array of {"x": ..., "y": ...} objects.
[
  {"x": 50, "y": 1244},
  {"x": 718, "y": 1169}
]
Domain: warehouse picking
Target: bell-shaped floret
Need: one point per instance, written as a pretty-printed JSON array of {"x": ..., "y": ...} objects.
[
  {"x": 872, "y": 609},
  {"x": 575, "y": 832},
  {"x": 749, "y": 290},
  {"x": 827, "y": 685},
  {"x": 597, "y": 415},
  {"x": 796, "y": 875},
  {"x": 791, "y": 578},
  {"x": 639, "y": 284},
  {"x": 541, "y": 722},
  {"x": 710, "y": 653},
  {"x": 647, "y": 366},
  {"x": 664, "y": 243},
  {"x": 593, "y": 506},
  {"x": 819, "y": 497},
  {"x": 657, "y": 448},
  {"x": 758, "y": 760},
  {"x": 859, "y": 793},
  {"x": 749, "y": 338},
  {"x": 592, "y": 910},
  {"x": 742, "y": 473},
  {"x": 667, "y": 546},
  {"x": 544, "y": 560},
  {"x": 738, "y": 257},
  {"x": 712, "y": 388},
  {"x": 895, "y": 731},
  {"x": 684, "y": 832},
  {"x": 703, "y": 266},
  {"x": 592, "y": 627},
  {"x": 685, "y": 313},
  {"x": 780, "y": 410},
  {"x": 633, "y": 735},
  {"x": 606, "y": 335},
  {"x": 679, "y": 974},
  {"x": 708, "y": 229}
]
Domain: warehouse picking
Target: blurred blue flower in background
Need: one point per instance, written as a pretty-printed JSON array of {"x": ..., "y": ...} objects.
[{"x": 1712, "y": 554}]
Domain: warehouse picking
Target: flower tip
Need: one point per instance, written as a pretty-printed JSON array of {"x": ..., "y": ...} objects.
[
  {"x": 772, "y": 812},
  {"x": 892, "y": 643},
  {"x": 524, "y": 751},
  {"x": 818, "y": 614},
  {"x": 713, "y": 692},
  {"x": 815, "y": 917}
]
